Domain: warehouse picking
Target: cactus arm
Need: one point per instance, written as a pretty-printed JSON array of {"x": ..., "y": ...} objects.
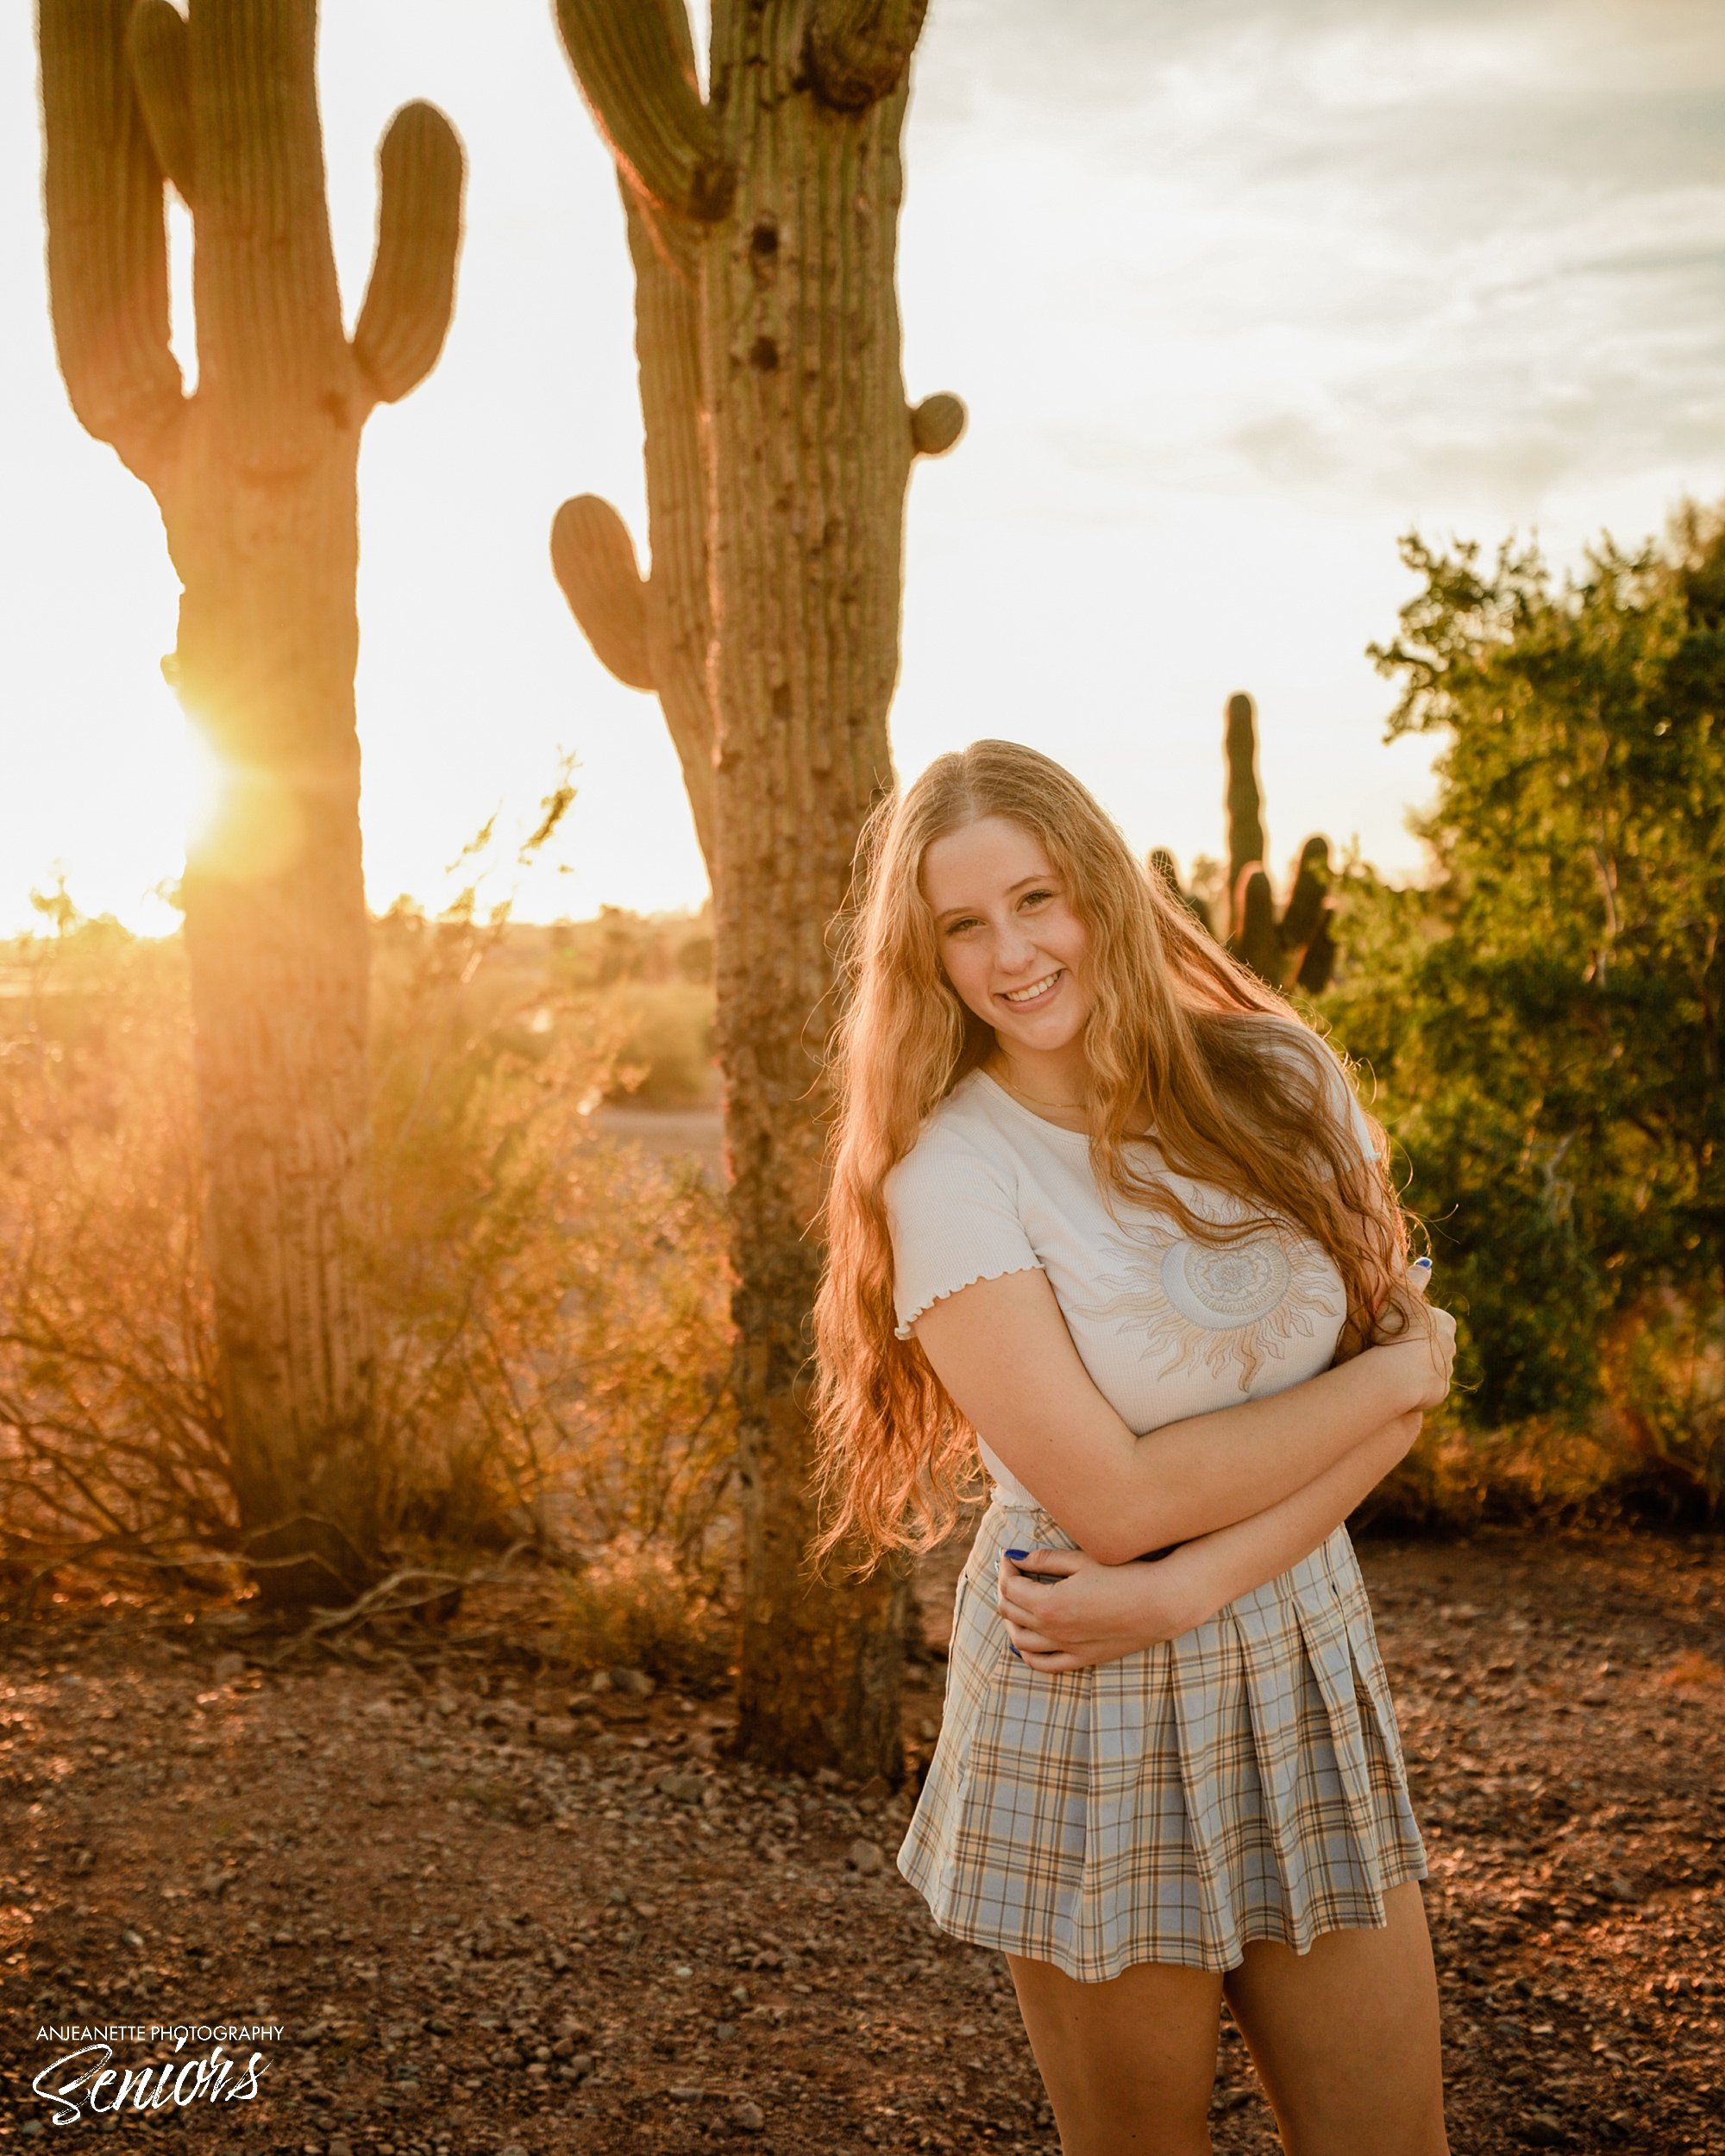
[
  {"x": 158, "y": 44},
  {"x": 679, "y": 607},
  {"x": 857, "y": 50},
  {"x": 937, "y": 423},
  {"x": 592, "y": 557},
  {"x": 107, "y": 243},
  {"x": 1306, "y": 902},
  {"x": 634, "y": 61},
  {"x": 408, "y": 302},
  {"x": 1256, "y": 939},
  {"x": 1318, "y": 960},
  {"x": 626, "y": 618}
]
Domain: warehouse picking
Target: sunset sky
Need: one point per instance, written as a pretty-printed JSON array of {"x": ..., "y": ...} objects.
[{"x": 1235, "y": 294}]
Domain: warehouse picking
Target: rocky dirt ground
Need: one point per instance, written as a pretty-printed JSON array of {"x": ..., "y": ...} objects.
[{"x": 492, "y": 1910}]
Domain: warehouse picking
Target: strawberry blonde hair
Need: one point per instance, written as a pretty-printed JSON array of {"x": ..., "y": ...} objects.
[{"x": 1173, "y": 1019}]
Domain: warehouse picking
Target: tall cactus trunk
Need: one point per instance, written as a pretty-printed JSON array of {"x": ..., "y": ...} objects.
[
  {"x": 276, "y": 942},
  {"x": 1245, "y": 806},
  {"x": 774, "y": 207},
  {"x": 256, "y": 477}
]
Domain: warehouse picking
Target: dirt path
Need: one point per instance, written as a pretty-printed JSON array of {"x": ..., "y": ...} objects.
[{"x": 486, "y": 1923}]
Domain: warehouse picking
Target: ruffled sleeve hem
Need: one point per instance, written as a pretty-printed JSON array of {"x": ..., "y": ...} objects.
[{"x": 903, "y": 1331}]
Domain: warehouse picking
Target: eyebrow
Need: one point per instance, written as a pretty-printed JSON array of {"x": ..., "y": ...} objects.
[{"x": 1047, "y": 876}]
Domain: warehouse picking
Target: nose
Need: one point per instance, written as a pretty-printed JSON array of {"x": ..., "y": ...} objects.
[{"x": 1017, "y": 948}]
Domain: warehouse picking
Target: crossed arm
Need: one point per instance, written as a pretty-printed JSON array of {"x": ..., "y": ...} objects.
[{"x": 1245, "y": 1491}]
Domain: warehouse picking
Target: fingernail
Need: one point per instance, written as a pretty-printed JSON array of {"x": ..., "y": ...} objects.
[
  {"x": 1018, "y": 1657},
  {"x": 1018, "y": 1557}
]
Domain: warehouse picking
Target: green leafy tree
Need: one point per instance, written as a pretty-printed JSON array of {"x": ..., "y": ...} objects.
[{"x": 1548, "y": 1019}]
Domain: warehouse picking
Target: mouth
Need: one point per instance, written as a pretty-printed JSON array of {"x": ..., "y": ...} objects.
[{"x": 1037, "y": 992}]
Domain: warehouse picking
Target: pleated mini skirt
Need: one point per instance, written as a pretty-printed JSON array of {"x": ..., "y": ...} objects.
[{"x": 1245, "y": 1781}]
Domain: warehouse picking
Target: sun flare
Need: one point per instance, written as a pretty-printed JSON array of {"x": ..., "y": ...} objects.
[{"x": 203, "y": 784}]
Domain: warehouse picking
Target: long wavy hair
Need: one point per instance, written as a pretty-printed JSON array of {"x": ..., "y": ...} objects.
[{"x": 1173, "y": 1020}]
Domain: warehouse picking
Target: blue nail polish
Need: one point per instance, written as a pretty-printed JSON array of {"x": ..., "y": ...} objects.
[{"x": 1017, "y": 1557}]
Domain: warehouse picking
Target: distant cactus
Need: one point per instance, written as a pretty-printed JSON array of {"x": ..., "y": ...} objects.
[
  {"x": 1295, "y": 949},
  {"x": 255, "y": 477},
  {"x": 762, "y": 223}
]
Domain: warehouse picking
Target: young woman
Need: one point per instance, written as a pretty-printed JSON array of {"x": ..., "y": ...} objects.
[{"x": 1103, "y": 1207}]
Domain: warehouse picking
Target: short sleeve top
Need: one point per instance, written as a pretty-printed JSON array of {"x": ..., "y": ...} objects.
[{"x": 1166, "y": 1325}]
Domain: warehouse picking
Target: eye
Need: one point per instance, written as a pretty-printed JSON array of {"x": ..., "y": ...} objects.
[
  {"x": 954, "y": 928},
  {"x": 1036, "y": 898}
]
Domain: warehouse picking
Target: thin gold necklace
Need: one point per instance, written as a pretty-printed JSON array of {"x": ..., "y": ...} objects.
[{"x": 1068, "y": 1108}]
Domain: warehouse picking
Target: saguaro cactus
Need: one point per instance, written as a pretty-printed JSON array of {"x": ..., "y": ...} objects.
[
  {"x": 762, "y": 223},
  {"x": 256, "y": 477},
  {"x": 1292, "y": 949}
]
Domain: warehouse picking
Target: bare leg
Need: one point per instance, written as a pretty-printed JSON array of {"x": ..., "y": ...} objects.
[
  {"x": 1128, "y": 2065},
  {"x": 1346, "y": 2037}
]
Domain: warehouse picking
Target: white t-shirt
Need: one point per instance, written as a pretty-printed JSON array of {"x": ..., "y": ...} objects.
[{"x": 1166, "y": 1326}]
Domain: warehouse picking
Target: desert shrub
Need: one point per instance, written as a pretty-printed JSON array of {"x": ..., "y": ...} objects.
[
  {"x": 663, "y": 1031},
  {"x": 110, "y": 1426},
  {"x": 551, "y": 1307},
  {"x": 634, "y": 1604},
  {"x": 618, "y": 945}
]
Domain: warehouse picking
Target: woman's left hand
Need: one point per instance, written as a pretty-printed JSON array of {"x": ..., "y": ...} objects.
[{"x": 1094, "y": 1613}]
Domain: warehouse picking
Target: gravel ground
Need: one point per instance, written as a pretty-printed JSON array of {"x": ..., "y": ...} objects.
[{"x": 490, "y": 1910}]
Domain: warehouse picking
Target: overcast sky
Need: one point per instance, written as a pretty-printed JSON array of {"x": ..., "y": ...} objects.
[{"x": 1235, "y": 295}]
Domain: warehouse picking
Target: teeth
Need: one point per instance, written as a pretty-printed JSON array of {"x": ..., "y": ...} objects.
[{"x": 1036, "y": 987}]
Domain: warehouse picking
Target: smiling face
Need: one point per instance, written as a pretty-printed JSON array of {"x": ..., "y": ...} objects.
[{"x": 1013, "y": 947}]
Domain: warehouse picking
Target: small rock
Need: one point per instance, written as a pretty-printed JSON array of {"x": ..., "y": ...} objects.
[
  {"x": 341, "y": 2147},
  {"x": 633, "y": 1684},
  {"x": 864, "y": 1856},
  {"x": 599, "y": 1681},
  {"x": 683, "y": 1783},
  {"x": 1543, "y": 2129},
  {"x": 228, "y": 1666},
  {"x": 747, "y": 2117},
  {"x": 686, "y": 2092},
  {"x": 556, "y": 1733},
  {"x": 581, "y": 2064}
]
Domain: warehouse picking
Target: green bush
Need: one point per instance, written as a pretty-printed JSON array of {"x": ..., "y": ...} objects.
[{"x": 1547, "y": 1021}]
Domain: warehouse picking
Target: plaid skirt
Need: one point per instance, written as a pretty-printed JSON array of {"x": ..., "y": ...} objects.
[{"x": 1245, "y": 1781}]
